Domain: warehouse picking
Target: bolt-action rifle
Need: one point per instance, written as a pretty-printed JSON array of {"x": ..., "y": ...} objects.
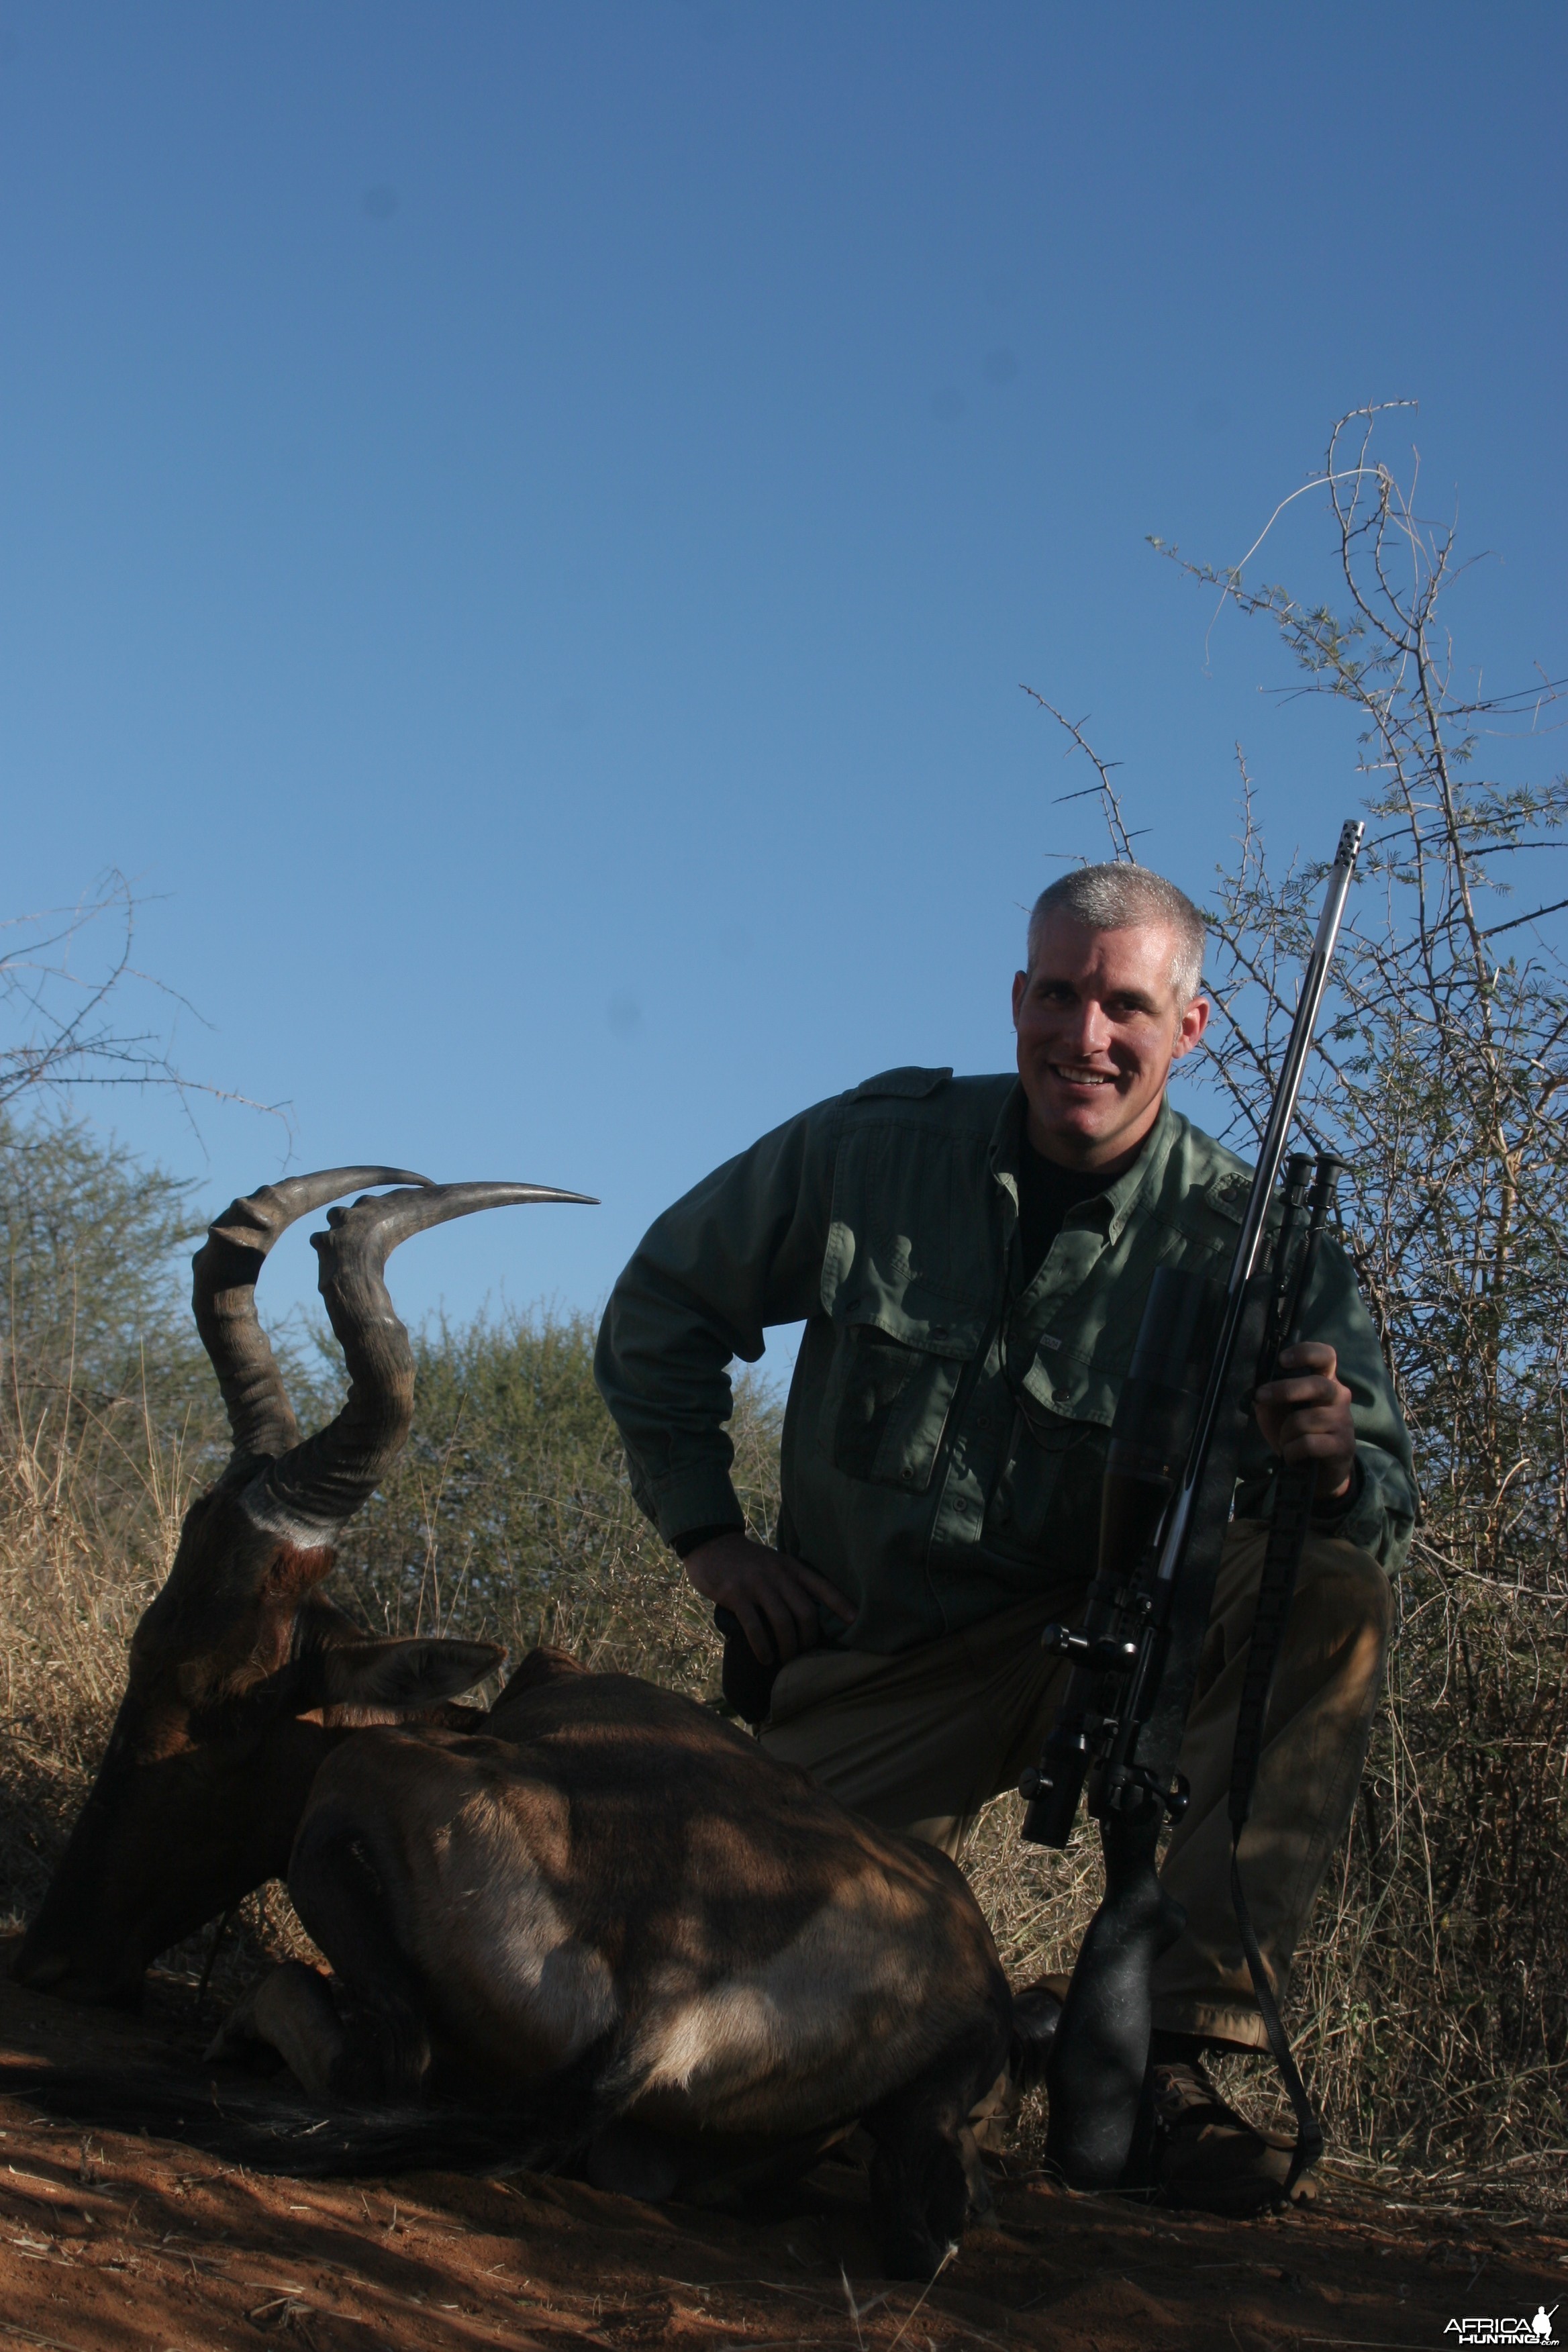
[{"x": 1169, "y": 1487}]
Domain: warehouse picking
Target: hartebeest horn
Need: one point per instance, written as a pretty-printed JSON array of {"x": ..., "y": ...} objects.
[
  {"x": 223, "y": 1295},
  {"x": 319, "y": 1484}
]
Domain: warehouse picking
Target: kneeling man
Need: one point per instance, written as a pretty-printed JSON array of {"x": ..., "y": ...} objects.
[{"x": 971, "y": 1258}]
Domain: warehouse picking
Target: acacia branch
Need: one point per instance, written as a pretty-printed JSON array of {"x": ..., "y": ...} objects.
[
  {"x": 63, "y": 1022},
  {"x": 1121, "y": 841}
]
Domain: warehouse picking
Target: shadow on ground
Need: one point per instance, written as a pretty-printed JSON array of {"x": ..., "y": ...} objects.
[{"x": 116, "y": 2240}]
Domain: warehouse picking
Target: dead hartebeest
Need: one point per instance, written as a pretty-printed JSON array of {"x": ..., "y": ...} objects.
[{"x": 597, "y": 1922}]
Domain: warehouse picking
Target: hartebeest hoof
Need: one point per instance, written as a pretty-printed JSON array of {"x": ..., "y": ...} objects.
[{"x": 289, "y": 2018}]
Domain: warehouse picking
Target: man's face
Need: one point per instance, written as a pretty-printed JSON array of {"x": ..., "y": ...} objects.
[{"x": 1099, "y": 1027}]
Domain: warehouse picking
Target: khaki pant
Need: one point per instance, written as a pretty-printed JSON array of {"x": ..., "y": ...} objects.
[{"x": 921, "y": 1742}]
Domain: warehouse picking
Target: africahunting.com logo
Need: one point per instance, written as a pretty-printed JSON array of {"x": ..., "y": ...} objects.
[{"x": 1505, "y": 2331}]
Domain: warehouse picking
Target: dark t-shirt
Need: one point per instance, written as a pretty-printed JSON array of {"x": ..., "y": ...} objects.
[{"x": 1045, "y": 1193}]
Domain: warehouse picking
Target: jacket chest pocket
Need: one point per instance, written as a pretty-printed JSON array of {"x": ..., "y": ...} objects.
[
  {"x": 890, "y": 1395},
  {"x": 1046, "y": 1503}
]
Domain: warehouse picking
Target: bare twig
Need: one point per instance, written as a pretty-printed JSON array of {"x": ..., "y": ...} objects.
[
  {"x": 60, "y": 1024},
  {"x": 1120, "y": 839}
]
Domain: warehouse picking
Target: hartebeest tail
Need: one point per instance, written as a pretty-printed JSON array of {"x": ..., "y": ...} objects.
[{"x": 241, "y": 1676}]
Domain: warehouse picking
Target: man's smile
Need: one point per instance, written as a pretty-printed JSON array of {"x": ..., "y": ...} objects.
[{"x": 1074, "y": 1077}]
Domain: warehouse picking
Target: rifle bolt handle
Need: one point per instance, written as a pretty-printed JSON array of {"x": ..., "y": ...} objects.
[{"x": 1103, "y": 1655}]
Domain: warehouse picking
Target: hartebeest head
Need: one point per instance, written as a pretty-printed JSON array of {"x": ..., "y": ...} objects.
[{"x": 241, "y": 1675}]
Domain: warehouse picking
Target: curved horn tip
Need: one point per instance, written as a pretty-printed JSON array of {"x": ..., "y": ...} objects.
[
  {"x": 524, "y": 1194},
  {"x": 276, "y": 1205},
  {"x": 385, "y": 1220},
  {"x": 452, "y": 1200},
  {"x": 503, "y": 1193},
  {"x": 544, "y": 1192},
  {"x": 351, "y": 1178}
]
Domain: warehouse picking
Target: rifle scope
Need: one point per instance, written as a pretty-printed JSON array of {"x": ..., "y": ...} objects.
[{"x": 1153, "y": 1429}]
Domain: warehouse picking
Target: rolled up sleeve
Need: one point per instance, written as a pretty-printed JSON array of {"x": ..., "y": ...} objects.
[
  {"x": 1379, "y": 1512},
  {"x": 741, "y": 1251}
]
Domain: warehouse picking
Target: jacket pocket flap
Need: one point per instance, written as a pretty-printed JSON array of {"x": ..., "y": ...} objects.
[
  {"x": 1070, "y": 1392},
  {"x": 917, "y": 1318}
]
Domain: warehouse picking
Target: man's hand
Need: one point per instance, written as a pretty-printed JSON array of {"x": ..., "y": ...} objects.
[
  {"x": 1306, "y": 1416},
  {"x": 768, "y": 1591}
]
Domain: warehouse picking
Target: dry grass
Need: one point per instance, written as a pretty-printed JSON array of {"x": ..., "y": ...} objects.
[
  {"x": 89, "y": 1517},
  {"x": 79, "y": 1557}
]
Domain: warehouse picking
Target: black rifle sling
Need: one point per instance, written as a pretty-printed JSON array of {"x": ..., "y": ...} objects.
[
  {"x": 1294, "y": 1490},
  {"x": 1289, "y": 1522}
]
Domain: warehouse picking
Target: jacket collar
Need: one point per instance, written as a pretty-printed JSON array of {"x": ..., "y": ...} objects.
[{"x": 1121, "y": 1195}]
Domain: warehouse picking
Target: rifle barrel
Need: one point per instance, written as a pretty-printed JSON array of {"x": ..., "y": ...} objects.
[{"x": 1272, "y": 1151}]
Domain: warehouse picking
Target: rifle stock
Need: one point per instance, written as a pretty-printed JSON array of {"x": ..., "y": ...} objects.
[{"x": 1097, "y": 2069}]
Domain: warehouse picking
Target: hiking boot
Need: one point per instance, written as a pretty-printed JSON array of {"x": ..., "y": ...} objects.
[{"x": 1208, "y": 2157}]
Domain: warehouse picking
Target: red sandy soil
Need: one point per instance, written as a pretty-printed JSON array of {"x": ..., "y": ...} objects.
[{"x": 109, "y": 2240}]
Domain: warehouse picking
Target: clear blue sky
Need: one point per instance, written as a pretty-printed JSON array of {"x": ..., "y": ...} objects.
[{"x": 522, "y": 526}]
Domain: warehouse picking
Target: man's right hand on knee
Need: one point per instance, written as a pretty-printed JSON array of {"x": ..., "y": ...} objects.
[{"x": 771, "y": 1594}]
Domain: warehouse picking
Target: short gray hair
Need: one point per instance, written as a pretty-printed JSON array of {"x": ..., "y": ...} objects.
[{"x": 1120, "y": 898}]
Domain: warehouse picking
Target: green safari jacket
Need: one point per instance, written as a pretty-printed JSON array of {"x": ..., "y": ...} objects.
[{"x": 946, "y": 1426}]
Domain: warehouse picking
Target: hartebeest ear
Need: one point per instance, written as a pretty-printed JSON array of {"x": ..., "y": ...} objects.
[
  {"x": 414, "y": 1673},
  {"x": 542, "y": 1665},
  {"x": 540, "y": 1669}
]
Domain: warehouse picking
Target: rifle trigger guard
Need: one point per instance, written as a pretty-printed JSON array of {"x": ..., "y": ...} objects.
[{"x": 1136, "y": 1786}]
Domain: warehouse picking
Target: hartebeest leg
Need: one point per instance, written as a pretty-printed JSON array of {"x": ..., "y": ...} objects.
[
  {"x": 290, "y": 2012},
  {"x": 339, "y": 1895},
  {"x": 924, "y": 2175}
]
